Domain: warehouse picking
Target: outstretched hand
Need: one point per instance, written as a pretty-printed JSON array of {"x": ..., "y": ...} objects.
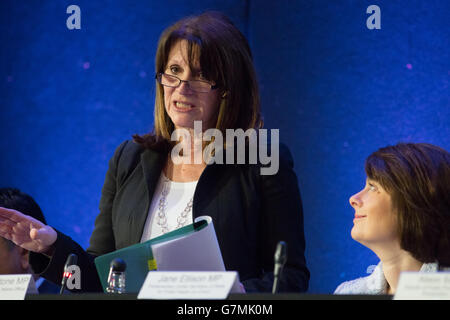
[{"x": 25, "y": 231}]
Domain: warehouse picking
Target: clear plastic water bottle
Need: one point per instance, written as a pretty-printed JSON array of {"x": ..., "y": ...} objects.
[{"x": 116, "y": 277}]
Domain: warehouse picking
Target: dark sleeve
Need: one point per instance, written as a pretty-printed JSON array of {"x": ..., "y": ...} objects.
[
  {"x": 282, "y": 220},
  {"x": 101, "y": 242},
  {"x": 102, "y": 238},
  {"x": 52, "y": 268}
]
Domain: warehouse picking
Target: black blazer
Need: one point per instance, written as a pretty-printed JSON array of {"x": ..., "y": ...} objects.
[{"x": 251, "y": 214}]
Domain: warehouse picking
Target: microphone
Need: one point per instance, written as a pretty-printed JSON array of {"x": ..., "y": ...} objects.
[
  {"x": 71, "y": 260},
  {"x": 116, "y": 277},
  {"x": 280, "y": 260}
]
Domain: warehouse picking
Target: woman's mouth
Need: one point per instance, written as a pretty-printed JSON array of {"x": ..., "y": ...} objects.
[
  {"x": 358, "y": 217},
  {"x": 183, "y": 106}
]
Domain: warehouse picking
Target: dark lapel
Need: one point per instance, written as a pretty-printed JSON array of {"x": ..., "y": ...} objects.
[
  {"x": 208, "y": 197},
  {"x": 152, "y": 163}
]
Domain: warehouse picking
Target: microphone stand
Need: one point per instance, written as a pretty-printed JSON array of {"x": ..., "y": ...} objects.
[
  {"x": 71, "y": 260},
  {"x": 280, "y": 260}
]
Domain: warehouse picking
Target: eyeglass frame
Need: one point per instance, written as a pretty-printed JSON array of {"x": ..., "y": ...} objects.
[{"x": 161, "y": 74}]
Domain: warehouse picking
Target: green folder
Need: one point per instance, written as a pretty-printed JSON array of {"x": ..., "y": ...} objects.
[{"x": 139, "y": 258}]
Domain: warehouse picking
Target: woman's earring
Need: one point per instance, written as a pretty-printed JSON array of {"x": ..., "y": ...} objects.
[{"x": 224, "y": 95}]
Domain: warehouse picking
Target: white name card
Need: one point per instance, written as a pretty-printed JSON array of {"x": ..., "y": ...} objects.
[
  {"x": 14, "y": 286},
  {"x": 188, "y": 285},
  {"x": 423, "y": 286}
]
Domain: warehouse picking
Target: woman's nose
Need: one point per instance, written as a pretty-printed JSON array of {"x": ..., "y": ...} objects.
[
  {"x": 185, "y": 88},
  {"x": 355, "y": 200}
]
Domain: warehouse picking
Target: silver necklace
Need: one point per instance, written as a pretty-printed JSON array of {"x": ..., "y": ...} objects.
[{"x": 162, "y": 218}]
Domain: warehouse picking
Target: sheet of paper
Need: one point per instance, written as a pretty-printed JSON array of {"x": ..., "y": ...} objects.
[
  {"x": 423, "y": 286},
  {"x": 199, "y": 251},
  {"x": 187, "y": 285}
]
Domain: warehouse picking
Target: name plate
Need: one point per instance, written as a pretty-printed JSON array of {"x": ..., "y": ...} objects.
[
  {"x": 423, "y": 286},
  {"x": 14, "y": 286},
  {"x": 188, "y": 285}
]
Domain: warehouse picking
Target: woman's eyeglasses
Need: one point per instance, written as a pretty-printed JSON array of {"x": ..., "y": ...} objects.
[{"x": 168, "y": 80}]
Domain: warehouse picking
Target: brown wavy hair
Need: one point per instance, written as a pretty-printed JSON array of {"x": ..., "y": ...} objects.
[
  {"x": 417, "y": 176},
  {"x": 225, "y": 58}
]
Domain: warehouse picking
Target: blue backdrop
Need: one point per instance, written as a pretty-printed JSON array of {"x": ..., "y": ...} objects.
[{"x": 336, "y": 90}]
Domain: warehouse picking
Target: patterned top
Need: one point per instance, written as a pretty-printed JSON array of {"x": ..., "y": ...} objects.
[{"x": 376, "y": 282}]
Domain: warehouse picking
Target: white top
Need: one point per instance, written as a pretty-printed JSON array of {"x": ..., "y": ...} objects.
[
  {"x": 177, "y": 199},
  {"x": 376, "y": 282}
]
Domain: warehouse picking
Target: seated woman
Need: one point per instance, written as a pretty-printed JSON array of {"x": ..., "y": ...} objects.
[{"x": 402, "y": 215}]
